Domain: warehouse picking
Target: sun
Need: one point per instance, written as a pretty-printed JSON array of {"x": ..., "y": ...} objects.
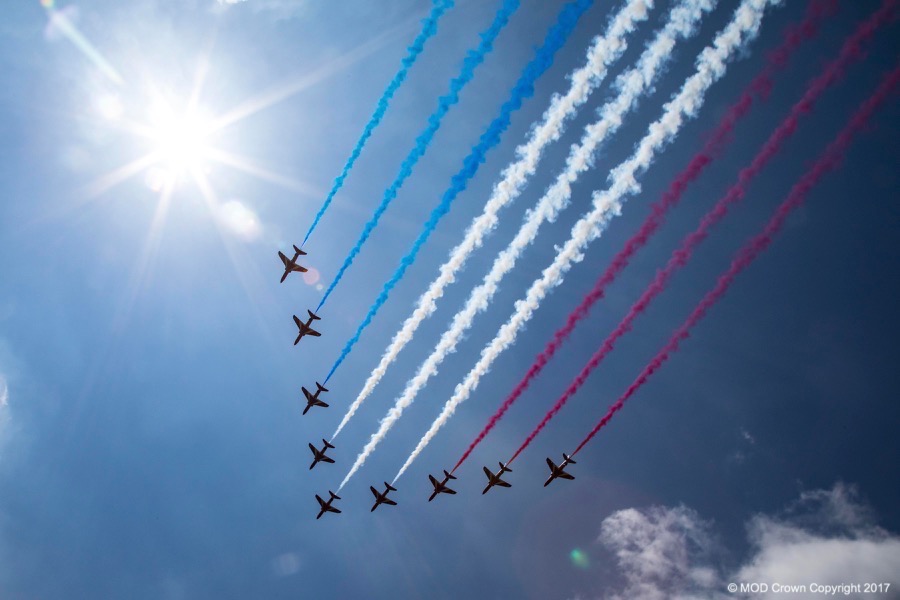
[{"x": 181, "y": 140}]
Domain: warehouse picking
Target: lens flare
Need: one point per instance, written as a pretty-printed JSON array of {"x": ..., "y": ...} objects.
[
  {"x": 579, "y": 558},
  {"x": 311, "y": 277}
]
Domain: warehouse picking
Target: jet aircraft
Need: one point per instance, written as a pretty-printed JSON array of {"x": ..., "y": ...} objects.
[
  {"x": 326, "y": 506},
  {"x": 313, "y": 399},
  {"x": 495, "y": 479},
  {"x": 290, "y": 264},
  {"x": 382, "y": 497},
  {"x": 319, "y": 455},
  {"x": 441, "y": 486},
  {"x": 560, "y": 470},
  {"x": 305, "y": 328}
]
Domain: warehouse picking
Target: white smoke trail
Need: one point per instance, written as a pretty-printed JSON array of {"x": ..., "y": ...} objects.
[
  {"x": 631, "y": 85},
  {"x": 710, "y": 68},
  {"x": 602, "y": 53}
]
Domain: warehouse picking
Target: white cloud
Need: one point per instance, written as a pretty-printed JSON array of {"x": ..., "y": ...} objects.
[
  {"x": 828, "y": 537},
  {"x": 660, "y": 551},
  {"x": 831, "y": 539}
]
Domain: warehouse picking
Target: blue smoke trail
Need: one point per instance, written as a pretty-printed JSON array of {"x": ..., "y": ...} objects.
[
  {"x": 523, "y": 89},
  {"x": 472, "y": 60},
  {"x": 429, "y": 28}
]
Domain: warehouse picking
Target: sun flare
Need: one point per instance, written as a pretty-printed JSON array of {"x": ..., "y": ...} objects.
[{"x": 181, "y": 140}]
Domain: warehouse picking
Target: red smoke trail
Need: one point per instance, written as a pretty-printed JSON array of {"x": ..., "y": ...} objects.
[
  {"x": 761, "y": 85},
  {"x": 828, "y": 161},
  {"x": 851, "y": 51}
]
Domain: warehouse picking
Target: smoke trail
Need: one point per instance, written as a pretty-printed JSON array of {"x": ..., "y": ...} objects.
[
  {"x": 603, "y": 52},
  {"x": 760, "y": 85},
  {"x": 471, "y": 62},
  {"x": 523, "y": 89},
  {"x": 429, "y": 28},
  {"x": 827, "y": 161},
  {"x": 710, "y": 67},
  {"x": 632, "y": 84},
  {"x": 851, "y": 51}
]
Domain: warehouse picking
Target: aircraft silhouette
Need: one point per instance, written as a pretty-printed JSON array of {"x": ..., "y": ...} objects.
[
  {"x": 382, "y": 497},
  {"x": 313, "y": 399},
  {"x": 560, "y": 470},
  {"x": 495, "y": 479},
  {"x": 290, "y": 264},
  {"x": 319, "y": 455},
  {"x": 326, "y": 506},
  {"x": 305, "y": 328},
  {"x": 440, "y": 486}
]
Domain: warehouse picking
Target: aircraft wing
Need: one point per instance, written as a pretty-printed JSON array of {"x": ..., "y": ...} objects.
[
  {"x": 283, "y": 258},
  {"x": 313, "y": 448},
  {"x": 298, "y": 322},
  {"x": 449, "y": 491},
  {"x": 374, "y": 491},
  {"x": 312, "y": 332},
  {"x": 488, "y": 473},
  {"x": 321, "y": 502},
  {"x": 502, "y": 483},
  {"x": 332, "y": 509},
  {"x": 434, "y": 481},
  {"x": 551, "y": 464},
  {"x": 565, "y": 475},
  {"x": 327, "y": 459},
  {"x": 389, "y": 501}
]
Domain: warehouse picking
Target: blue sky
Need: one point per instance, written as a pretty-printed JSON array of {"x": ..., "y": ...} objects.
[{"x": 151, "y": 441}]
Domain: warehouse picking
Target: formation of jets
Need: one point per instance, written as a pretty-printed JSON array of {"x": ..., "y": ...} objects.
[
  {"x": 495, "y": 479},
  {"x": 319, "y": 455},
  {"x": 381, "y": 498},
  {"x": 313, "y": 399}
]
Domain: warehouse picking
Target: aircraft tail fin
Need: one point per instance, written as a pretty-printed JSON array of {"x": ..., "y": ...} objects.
[
  {"x": 313, "y": 315},
  {"x": 504, "y": 468},
  {"x": 327, "y": 444},
  {"x": 390, "y": 487},
  {"x": 448, "y": 475},
  {"x": 568, "y": 458},
  {"x": 333, "y": 495},
  {"x": 299, "y": 251},
  {"x": 321, "y": 387}
]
